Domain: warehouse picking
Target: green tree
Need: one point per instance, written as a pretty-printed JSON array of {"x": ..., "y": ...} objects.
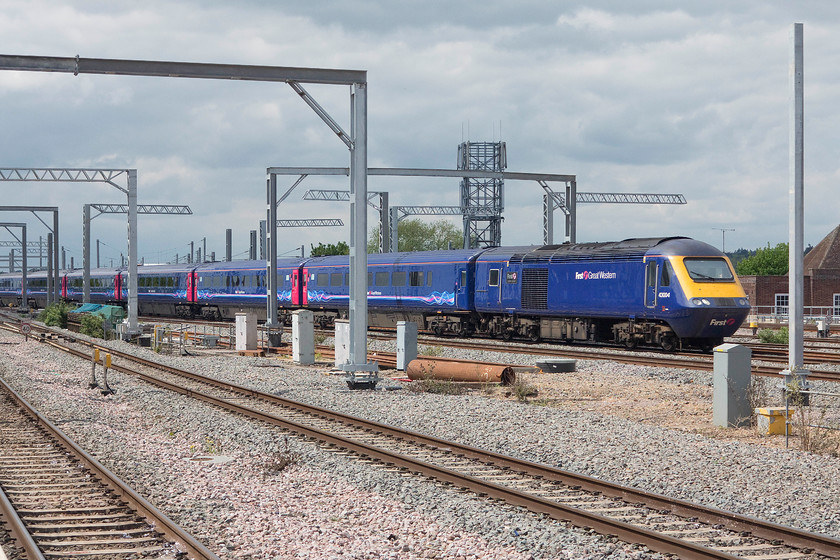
[
  {"x": 416, "y": 235},
  {"x": 738, "y": 255},
  {"x": 770, "y": 261},
  {"x": 340, "y": 248}
]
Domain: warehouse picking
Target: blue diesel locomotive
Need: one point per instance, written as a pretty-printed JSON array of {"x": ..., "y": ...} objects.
[{"x": 667, "y": 292}]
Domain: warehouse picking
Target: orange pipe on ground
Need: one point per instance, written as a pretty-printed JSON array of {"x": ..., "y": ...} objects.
[{"x": 447, "y": 370}]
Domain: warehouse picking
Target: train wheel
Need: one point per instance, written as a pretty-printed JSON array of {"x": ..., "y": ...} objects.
[
  {"x": 438, "y": 329},
  {"x": 668, "y": 342},
  {"x": 507, "y": 334},
  {"x": 534, "y": 334},
  {"x": 631, "y": 343}
]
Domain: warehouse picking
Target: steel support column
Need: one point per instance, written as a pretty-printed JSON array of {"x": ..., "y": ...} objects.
[
  {"x": 51, "y": 269},
  {"x": 361, "y": 372},
  {"x": 86, "y": 253},
  {"x": 384, "y": 224},
  {"x": 23, "y": 281},
  {"x": 571, "y": 216},
  {"x": 133, "y": 326},
  {"x": 271, "y": 241},
  {"x": 796, "y": 170},
  {"x": 548, "y": 219}
]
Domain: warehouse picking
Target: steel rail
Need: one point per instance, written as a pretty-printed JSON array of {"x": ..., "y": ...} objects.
[
  {"x": 18, "y": 529},
  {"x": 763, "y": 529},
  {"x": 155, "y": 517},
  {"x": 601, "y": 524}
]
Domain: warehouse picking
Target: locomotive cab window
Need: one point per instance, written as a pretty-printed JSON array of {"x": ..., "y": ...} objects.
[
  {"x": 494, "y": 277},
  {"x": 708, "y": 269},
  {"x": 667, "y": 273}
]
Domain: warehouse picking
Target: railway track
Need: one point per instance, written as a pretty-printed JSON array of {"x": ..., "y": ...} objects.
[
  {"x": 773, "y": 353},
  {"x": 661, "y": 523},
  {"x": 59, "y": 502}
]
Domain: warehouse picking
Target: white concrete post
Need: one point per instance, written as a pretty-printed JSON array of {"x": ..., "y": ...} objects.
[
  {"x": 303, "y": 337},
  {"x": 246, "y": 331},
  {"x": 406, "y": 343},
  {"x": 342, "y": 342}
]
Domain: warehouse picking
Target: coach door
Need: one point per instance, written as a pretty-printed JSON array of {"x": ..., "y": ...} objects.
[
  {"x": 295, "y": 286},
  {"x": 650, "y": 284},
  {"x": 191, "y": 286},
  {"x": 461, "y": 298},
  {"x": 299, "y": 295},
  {"x": 494, "y": 287}
]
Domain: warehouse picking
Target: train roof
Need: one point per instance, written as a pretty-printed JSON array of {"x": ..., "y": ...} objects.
[
  {"x": 94, "y": 271},
  {"x": 407, "y": 257},
  {"x": 220, "y": 266},
  {"x": 633, "y": 248}
]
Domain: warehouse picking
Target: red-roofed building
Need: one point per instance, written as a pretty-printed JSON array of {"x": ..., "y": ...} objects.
[{"x": 769, "y": 294}]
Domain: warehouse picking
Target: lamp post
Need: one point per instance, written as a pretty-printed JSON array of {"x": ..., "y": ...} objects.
[{"x": 723, "y": 237}]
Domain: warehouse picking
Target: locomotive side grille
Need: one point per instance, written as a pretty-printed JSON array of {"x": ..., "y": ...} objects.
[{"x": 535, "y": 288}]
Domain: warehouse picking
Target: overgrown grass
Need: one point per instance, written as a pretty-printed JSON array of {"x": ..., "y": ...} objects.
[
  {"x": 437, "y": 386},
  {"x": 771, "y": 336},
  {"x": 432, "y": 351},
  {"x": 55, "y": 315},
  {"x": 758, "y": 396},
  {"x": 278, "y": 461},
  {"x": 809, "y": 423},
  {"x": 93, "y": 325},
  {"x": 521, "y": 389}
]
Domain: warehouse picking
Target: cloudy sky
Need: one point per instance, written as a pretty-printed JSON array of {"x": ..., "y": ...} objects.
[{"x": 649, "y": 96}]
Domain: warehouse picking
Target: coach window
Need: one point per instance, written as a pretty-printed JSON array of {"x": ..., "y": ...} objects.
[
  {"x": 347, "y": 278},
  {"x": 415, "y": 278},
  {"x": 494, "y": 277},
  {"x": 398, "y": 278},
  {"x": 336, "y": 279},
  {"x": 323, "y": 279},
  {"x": 463, "y": 278},
  {"x": 429, "y": 278},
  {"x": 381, "y": 278}
]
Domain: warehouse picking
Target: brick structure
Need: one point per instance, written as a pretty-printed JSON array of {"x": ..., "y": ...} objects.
[{"x": 821, "y": 281}]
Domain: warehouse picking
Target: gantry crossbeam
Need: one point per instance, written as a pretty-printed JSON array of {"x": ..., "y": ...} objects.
[
  {"x": 142, "y": 209},
  {"x": 317, "y": 222}
]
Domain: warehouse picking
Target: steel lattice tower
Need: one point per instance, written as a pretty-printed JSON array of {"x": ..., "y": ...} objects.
[{"x": 482, "y": 199}]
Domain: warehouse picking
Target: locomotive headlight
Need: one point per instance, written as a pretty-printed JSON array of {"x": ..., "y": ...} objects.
[
  {"x": 706, "y": 302},
  {"x": 742, "y": 301},
  {"x": 696, "y": 301}
]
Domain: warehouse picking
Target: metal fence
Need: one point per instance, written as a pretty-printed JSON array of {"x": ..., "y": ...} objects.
[{"x": 779, "y": 314}]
